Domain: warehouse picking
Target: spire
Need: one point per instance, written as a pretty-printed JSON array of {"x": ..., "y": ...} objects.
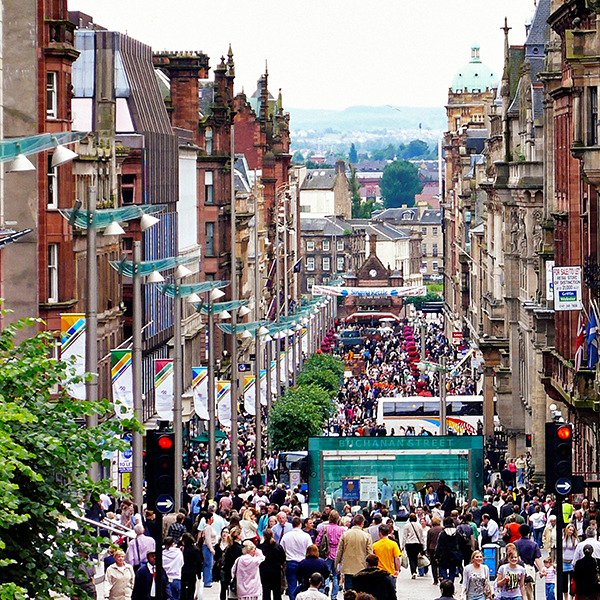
[
  {"x": 230, "y": 63},
  {"x": 280, "y": 102}
]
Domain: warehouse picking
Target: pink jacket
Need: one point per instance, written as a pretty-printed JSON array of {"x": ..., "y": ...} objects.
[{"x": 247, "y": 572}]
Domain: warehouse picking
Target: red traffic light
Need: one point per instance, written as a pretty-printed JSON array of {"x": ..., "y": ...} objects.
[
  {"x": 564, "y": 432},
  {"x": 165, "y": 443}
]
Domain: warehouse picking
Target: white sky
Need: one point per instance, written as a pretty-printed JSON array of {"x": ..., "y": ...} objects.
[{"x": 328, "y": 53}]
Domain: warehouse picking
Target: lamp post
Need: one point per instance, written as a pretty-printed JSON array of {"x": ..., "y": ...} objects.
[
  {"x": 212, "y": 442},
  {"x": 442, "y": 370},
  {"x": 234, "y": 348}
]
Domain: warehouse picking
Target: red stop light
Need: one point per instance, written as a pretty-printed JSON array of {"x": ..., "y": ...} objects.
[
  {"x": 165, "y": 442},
  {"x": 564, "y": 432}
]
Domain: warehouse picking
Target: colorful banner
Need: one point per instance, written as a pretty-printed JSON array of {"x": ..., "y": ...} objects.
[
  {"x": 200, "y": 391},
  {"x": 304, "y": 342},
  {"x": 73, "y": 346},
  {"x": 369, "y": 292},
  {"x": 250, "y": 394},
  {"x": 263, "y": 387},
  {"x": 163, "y": 388},
  {"x": 121, "y": 371},
  {"x": 224, "y": 403}
]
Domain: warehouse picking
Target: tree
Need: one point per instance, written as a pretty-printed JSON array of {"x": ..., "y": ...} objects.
[
  {"x": 360, "y": 209},
  {"x": 419, "y": 300},
  {"x": 353, "y": 156},
  {"x": 399, "y": 184},
  {"x": 44, "y": 457},
  {"x": 326, "y": 361},
  {"x": 301, "y": 413},
  {"x": 416, "y": 149},
  {"x": 322, "y": 377}
]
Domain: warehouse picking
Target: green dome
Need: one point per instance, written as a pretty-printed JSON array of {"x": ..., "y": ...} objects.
[{"x": 474, "y": 76}]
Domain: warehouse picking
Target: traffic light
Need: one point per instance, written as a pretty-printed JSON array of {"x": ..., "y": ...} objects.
[
  {"x": 559, "y": 458},
  {"x": 160, "y": 471}
]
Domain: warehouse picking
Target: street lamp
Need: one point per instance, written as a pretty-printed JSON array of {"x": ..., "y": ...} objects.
[{"x": 441, "y": 369}]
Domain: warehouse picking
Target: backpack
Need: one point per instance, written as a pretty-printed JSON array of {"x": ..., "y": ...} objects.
[
  {"x": 464, "y": 536},
  {"x": 324, "y": 544}
]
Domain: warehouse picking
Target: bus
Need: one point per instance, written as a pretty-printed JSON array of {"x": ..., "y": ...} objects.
[{"x": 464, "y": 414}]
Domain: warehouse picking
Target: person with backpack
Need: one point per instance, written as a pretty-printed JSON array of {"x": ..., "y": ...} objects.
[
  {"x": 447, "y": 552},
  {"x": 327, "y": 541},
  {"x": 466, "y": 543}
]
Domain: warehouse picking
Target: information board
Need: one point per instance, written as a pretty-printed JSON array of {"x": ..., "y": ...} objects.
[
  {"x": 567, "y": 288},
  {"x": 368, "y": 488}
]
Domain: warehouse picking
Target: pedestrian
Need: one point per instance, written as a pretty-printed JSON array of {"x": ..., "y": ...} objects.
[
  {"x": 585, "y": 575},
  {"x": 177, "y": 529},
  {"x": 550, "y": 578},
  {"x": 388, "y": 553},
  {"x": 138, "y": 549},
  {"x": 413, "y": 542},
  {"x": 570, "y": 542},
  {"x": 313, "y": 593},
  {"x": 511, "y": 577},
  {"x": 119, "y": 578},
  {"x": 233, "y": 552},
  {"x": 447, "y": 589},
  {"x": 333, "y": 532},
  {"x": 246, "y": 571},
  {"x": 219, "y": 558},
  {"x": 374, "y": 580},
  {"x": 431, "y": 542},
  {"x": 173, "y": 564},
  {"x": 447, "y": 552},
  {"x": 311, "y": 564},
  {"x": 192, "y": 567},
  {"x": 476, "y": 579},
  {"x": 354, "y": 547},
  {"x": 295, "y": 543},
  {"x": 549, "y": 537},
  {"x": 531, "y": 556},
  {"x": 145, "y": 584},
  {"x": 209, "y": 540},
  {"x": 273, "y": 567}
]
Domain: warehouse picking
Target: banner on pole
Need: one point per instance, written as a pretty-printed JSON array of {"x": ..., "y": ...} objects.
[
  {"x": 73, "y": 346},
  {"x": 121, "y": 372},
  {"x": 250, "y": 394},
  {"x": 263, "y": 387},
  {"x": 224, "y": 403},
  {"x": 200, "y": 391},
  {"x": 163, "y": 388}
]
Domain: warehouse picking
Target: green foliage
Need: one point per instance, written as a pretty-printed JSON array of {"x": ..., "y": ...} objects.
[
  {"x": 416, "y": 149},
  {"x": 353, "y": 155},
  {"x": 298, "y": 158},
  {"x": 45, "y": 453},
  {"x": 399, "y": 184},
  {"x": 435, "y": 288},
  {"x": 304, "y": 410},
  {"x": 314, "y": 165},
  {"x": 418, "y": 300},
  {"x": 300, "y": 414},
  {"x": 360, "y": 209}
]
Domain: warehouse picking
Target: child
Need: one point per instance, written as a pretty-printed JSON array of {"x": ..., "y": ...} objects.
[{"x": 550, "y": 578}]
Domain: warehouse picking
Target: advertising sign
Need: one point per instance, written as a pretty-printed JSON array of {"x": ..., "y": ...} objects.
[
  {"x": 549, "y": 281},
  {"x": 368, "y": 488},
  {"x": 350, "y": 488},
  {"x": 567, "y": 288},
  {"x": 125, "y": 461}
]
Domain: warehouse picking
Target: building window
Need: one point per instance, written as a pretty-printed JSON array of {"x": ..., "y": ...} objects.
[
  {"x": 424, "y": 231},
  {"x": 434, "y": 265},
  {"x": 210, "y": 239},
  {"x": 326, "y": 263},
  {"x": 424, "y": 249},
  {"x": 340, "y": 245},
  {"x": 340, "y": 264},
  {"x": 593, "y": 116},
  {"x": 208, "y": 140},
  {"x": 435, "y": 250},
  {"x": 208, "y": 188},
  {"x": 310, "y": 246},
  {"x": 304, "y": 208},
  {"x": 128, "y": 188},
  {"x": 310, "y": 281},
  {"x": 326, "y": 245},
  {"x": 52, "y": 184},
  {"x": 434, "y": 231},
  {"x": 52, "y": 94},
  {"x": 310, "y": 263},
  {"x": 52, "y": 272}
]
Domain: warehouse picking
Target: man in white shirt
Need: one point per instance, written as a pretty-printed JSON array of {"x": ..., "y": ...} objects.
[
  {"x": 282, "y": 527},
  {"x": 313, "y": 593},
  {"x": 590, "y": 540},
  {"x": 295, "y": 543},
  {"x": 173, "y": 563},
  {"x": 489, "y": 530}
]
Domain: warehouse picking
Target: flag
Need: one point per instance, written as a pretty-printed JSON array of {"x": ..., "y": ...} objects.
[
  {"x": 298, "y": 266},
  {"x": 592, "y": 340},
  {"x": 579, "y": 344}
]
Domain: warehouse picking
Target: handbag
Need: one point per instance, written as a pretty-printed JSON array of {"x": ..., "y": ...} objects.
[
  {"x": 404, "y": 560},
  {"x": 423, "y": 561},
  {"x": 233, "y": 586},
  {"x": 572, "y": 589}
]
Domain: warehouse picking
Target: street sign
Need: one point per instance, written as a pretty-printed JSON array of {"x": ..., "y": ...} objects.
[
  {"x": 164, "y": 504},
  {"x": 244, "y": 367},
  {"x": 563, "y": 486}
]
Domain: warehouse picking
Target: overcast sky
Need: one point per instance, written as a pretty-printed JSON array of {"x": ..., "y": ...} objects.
[{"x": 328, "y": 53}]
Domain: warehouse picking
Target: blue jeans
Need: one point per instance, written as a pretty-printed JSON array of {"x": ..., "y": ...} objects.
[
  {"x": 537, "y": 536},
  {"x": 550, "y": 591},
  {"x": 175, "y": 589},
  {"x": 209, "y": 559},
  {"x": 291, "y": 566},
  {"x": 334, "y": 577},
  {"x": 448, "y": 573}
]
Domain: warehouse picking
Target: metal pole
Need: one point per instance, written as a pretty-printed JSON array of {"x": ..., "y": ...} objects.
[
  {"x": 560, "y": 524},
  {"x": 286, "y": 304},
  {"x": 269, "y": 391},
  {"x": 137, "y": 475},
  {"x": 294, "y": 357},
  {"x": 443, "y": 424},
  {"x": 422, "y": 341},
  {"x": 91, "y": 320},
  {"x": 234, "y": 349},
  {"x": 212, "y": 442},
  {"x": 278, "y": 307},
  {"x": 258, "y": 405},
  {"x": 177, "y": 406}
]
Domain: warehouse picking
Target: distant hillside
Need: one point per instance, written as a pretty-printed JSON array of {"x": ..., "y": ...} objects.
[
  {"x": 368, "y": 118},
  {"x": 368, "y": 127}
]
